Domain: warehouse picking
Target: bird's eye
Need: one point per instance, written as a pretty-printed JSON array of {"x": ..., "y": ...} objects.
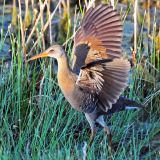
[{"x": 51, "y": 50}]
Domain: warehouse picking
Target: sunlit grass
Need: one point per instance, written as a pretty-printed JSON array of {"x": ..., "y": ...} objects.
[{"x": 36, "y": 122}]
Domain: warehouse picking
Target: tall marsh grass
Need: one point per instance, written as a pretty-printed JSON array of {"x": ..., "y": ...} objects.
[{"x": 36, "y": 122}]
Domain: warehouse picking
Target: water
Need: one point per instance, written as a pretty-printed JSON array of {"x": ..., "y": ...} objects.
[{"x": 4, "y": 36}]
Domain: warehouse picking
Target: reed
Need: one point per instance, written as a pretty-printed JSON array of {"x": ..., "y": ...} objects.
[{"x": 36, "y": 121}]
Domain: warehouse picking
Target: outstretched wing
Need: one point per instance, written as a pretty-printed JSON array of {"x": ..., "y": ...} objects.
[
  {"x": 100, "y": 30},
  {"x": 107, "y": 78},
  {"x": 98, "y": 57}
]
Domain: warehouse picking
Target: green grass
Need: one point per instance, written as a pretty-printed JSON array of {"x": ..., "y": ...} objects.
[{"x": 40, "y": 124}]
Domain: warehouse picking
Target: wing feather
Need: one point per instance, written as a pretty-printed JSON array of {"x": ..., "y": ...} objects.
[
  {"x": 98, "y": 55},
  {"x": 101, "y": 29},
  {"x": 106, "y": 79}
]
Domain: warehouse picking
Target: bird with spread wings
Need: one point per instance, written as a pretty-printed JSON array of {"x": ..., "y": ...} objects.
[{"x": 99, "y": 73}]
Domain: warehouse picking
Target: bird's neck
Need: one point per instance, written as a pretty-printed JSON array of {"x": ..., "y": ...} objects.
[
  {"x": 63, "y": 66},
  {"x": 66, "y": 79}
]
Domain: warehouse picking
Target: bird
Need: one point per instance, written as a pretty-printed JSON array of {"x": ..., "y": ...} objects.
[{"x": 99, "y": 73}]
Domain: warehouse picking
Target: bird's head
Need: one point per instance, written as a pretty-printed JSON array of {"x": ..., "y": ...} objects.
[{"x": 55, "y": 51}]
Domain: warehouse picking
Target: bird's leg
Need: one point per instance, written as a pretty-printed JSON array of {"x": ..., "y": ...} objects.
[
  {"x": 109, "y": 136},
  {"x": 93, "y": 131},
  {"x": 101, "y": 122},
  {"x": 93, "y": 128}
]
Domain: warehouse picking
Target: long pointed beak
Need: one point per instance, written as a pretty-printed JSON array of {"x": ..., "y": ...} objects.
[{"x": 41, "y": 55}]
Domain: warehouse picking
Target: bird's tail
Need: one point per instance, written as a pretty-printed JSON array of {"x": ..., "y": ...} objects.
[{"x": 125, "y": 104}]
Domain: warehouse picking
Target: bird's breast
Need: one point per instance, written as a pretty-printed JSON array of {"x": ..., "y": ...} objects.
[{"x": 78, "y": 98}]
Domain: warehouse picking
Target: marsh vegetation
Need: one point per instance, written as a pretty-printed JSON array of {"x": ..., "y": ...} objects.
[{"x": 36, "y": 122}]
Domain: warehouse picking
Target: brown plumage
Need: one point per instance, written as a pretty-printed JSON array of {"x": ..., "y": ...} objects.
[{"x": 99, "y": 73}]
